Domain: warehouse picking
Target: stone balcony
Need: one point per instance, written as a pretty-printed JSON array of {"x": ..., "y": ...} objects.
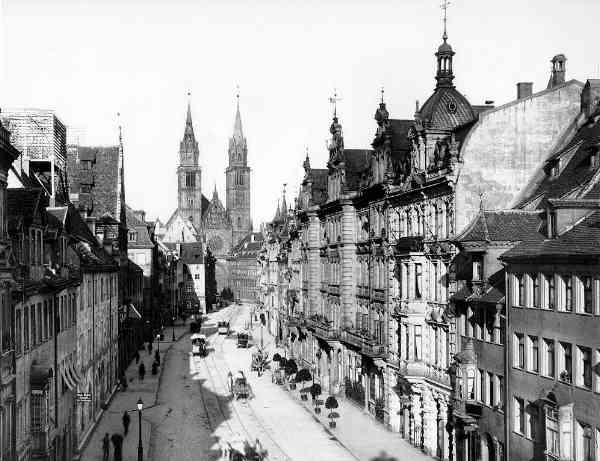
[
  {"x": 362, "y": 290},
  {"x": 367, "y": 345},
  {"x": 379, "y": 294},
  {"x": 334, "y": 289},
  {"x": 7, "y": 369},
  {"x": 409, "y": 369},
  {"x": 322, "y": 328}
]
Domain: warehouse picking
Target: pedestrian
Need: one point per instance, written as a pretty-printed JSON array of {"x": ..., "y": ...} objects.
[
  {"x": 105, "y": 447},
  {"x": 154, "y": 368},
  {"x": 117, "y": 440},
  {"x": 126, "y": 420},
  {"x": 123, "y": 380},
  {"x": 157, "y": 357},
  {"x": 141, "y": 371},
  {"x": 149, "y": 347},
  {"x": 137, "y": 357}
]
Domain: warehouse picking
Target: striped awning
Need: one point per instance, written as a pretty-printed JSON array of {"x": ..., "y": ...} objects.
[{"x": 67, "y": 378}]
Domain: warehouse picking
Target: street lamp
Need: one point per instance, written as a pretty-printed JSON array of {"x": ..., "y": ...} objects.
[
  {"x": 173, "y": 328},
  {"x": 140, "y": 405},
  {"x": 158, "y": 343}
]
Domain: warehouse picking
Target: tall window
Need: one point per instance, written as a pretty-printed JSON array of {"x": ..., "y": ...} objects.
[
  {"x": 552, "y": 436},
  {"x": 418, "y": 342},
  {"x": 535, "y": 295},
  {"x": 567, "y": 362},
  {"x": 549, "y": 357},
  {"x": 535, "y": 353},
  {"x": 26, "y": 328},
  {"x": 477, "y": 268},
  {"x": 588, "y": 303},
  {"x": 519, "y": 415},
  {"x": 584, "y": 367},
  {"x": 418, "y": 281},
  {"x": 520, "y": 350},
  {"x": 551, "y": 291},
  {"x": 491, "y": 395},
  {"x": 33, "y": 326},
  {"x": 568, "y": 284},
  {"x": 190, "y": 179},
  {"x": 520, "y": 290}
]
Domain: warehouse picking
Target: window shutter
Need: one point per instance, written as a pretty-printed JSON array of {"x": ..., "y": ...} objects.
[{"x": 565, "y": 421}]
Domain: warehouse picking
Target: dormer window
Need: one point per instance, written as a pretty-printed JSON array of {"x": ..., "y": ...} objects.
[
  {"x": 552, "y": 168},
  {"x": 477, "y": 268},
  {"x": 133, "y": 236},
  {"x": 552, "y": 226}
]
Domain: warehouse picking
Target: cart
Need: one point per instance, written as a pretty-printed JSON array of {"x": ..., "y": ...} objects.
[
  {"x": 223, "y": 328},
  {"x": 240, "y": 387},
  {"x": 199, "y": 345},
  {"x": 243, "y": 340},
  {"x": 260, "y": 359},
  {"x": 278, "y": 377}
]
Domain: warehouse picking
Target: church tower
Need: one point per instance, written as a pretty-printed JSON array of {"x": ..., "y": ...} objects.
[
  {"x": 189, "y": 174},
  {"x": 238, "y": 181}
]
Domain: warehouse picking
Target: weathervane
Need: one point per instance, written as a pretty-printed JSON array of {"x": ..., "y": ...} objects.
[
  {"x": 334, "y": 101},
  {"x": 237, "y": 94},
  {"x": 444, "y": 6},
  {"x": 382, "y": 91},
  {"x": 119, "y": 121}
]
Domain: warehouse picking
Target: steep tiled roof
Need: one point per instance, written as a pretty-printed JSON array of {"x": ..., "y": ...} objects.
[
  {"x": 446, "y": 109},
  {"x": 192, "y": 253},
  {"x": 247, "y": 248},
  {"x": 400, "y": 142},
  {"x": 143, "y": 238},
  {"x": 575, "y": 172},
  {"x": 22, "y": 205},
  {"x": 503, "y": 226},
  {"x": 357, "y": 162},
  {"x": 581, "y": 240}
]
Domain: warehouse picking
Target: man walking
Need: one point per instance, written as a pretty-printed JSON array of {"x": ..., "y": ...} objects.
[
  {"x": 137, "y": 357},
  {"x": 126, "y": 420},
  {"x": 105, "y": 447},
  {"x": 141, "y": 371}
]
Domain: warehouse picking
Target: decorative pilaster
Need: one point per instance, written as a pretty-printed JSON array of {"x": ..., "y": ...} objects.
[
  {"x": 348, "y": 263},
  {"x": 429, "y": 421},
  {"x": 314, "y": 276}
]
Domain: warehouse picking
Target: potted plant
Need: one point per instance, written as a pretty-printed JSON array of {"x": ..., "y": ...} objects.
[
  {"x": 290, "y": 369},
  {"x": 331, "y": 404},
  {"x": 315, "y": 392},
  {"x": 301, "y": 377},
  {"x": 277, "y": 357}
]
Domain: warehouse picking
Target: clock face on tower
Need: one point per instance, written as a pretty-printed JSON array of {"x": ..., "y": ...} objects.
[{"x": 215, "y": 243}]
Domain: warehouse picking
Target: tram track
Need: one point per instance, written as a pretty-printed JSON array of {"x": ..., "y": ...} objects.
[{"x": 261, "y": 432}]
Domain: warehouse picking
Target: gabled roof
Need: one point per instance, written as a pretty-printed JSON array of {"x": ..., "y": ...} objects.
[
  {"x": 583, "y": 240},
  {"x": 503, "y": 226},
  {"x": 247, "y": 248},
  {"x": 576, "y": 177},
  {"x": 400, "y": 141},
  {"x": 143, "y": 238},
  {"x": 23, "y": 205}
]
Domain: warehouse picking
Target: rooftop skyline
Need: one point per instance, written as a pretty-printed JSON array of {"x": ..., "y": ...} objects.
[{"x": 142, "y": 58}]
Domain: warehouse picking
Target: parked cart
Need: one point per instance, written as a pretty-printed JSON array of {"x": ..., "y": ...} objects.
[
  {"x": 240, "y": 387},
  {"x": 278, "y": 377}
]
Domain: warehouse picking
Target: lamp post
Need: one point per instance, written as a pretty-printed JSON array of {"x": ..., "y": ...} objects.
[
  {"x": 158, "y": 343},
  {"x": 173, "y": 328},
  {"x": 140, "y": 405}
]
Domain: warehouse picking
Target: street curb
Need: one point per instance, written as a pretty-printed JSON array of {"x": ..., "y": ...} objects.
[{"x": 327, "y": 430}]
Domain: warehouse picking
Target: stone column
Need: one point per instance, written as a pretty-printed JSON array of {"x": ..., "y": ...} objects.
[
  {"x": 417, "y": 420},
  {"x": 393, "y": 400},
  {"x": 443, "y": 419},
  {"x": 348, "y": 263},
  {"x": 314, "y": 274},
  {"x": 429, "y": 422}
]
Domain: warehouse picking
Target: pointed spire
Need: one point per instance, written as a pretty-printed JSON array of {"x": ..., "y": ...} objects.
[
  {"x": 238, "y": 133},
  {"x": 284, "y": 209},
  {"x": 277, "y": 212},
  {"x": 122, "y": 213},
  {"x": 444, "y": 55},
  {"x": 444, "y": 6},
  {"x": 215, "y": 193},
  {"x": 189, "y": 128}
]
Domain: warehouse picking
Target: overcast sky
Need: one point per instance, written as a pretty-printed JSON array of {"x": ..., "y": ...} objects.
[{"x": 89, "y": 60}]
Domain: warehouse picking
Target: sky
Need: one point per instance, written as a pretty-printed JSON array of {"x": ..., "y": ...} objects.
[{"x": 89, "y": 60}]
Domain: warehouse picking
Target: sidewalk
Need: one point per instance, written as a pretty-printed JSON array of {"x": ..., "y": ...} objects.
[
  {"x": 110, "y": 421},
  {"x": 356, "y": 430}
]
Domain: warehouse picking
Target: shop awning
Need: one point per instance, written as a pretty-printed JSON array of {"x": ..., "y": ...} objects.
[
  {"x": 67, "y": 378},
  {"x": 76, "y": 377},
  {"x": 133, "y": 312}
]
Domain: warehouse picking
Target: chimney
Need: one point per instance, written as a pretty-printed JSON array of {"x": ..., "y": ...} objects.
[
  {"x": 557, "y": 76},
  {"x": 524, "y": 90},
  {"x": 590, "y": 96}
]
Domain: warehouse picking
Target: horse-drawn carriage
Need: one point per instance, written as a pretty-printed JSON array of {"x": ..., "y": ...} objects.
[
  {"x": 240, "y": 387},
  {"x": 223, "y": 328},
  {"x": 243, "y": 340},
  {"x": 199, "y": 345},
  {"x": 278, "y": 377},
  {"x": 238, "y": 449}
]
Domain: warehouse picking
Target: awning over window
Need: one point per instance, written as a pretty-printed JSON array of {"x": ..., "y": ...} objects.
[
  {"x": 132, "y": 312},
  {"x": 67, "y": 378}
]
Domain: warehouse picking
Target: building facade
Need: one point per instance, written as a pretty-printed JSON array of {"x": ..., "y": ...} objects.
[{"x": 244, "y": 268}]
